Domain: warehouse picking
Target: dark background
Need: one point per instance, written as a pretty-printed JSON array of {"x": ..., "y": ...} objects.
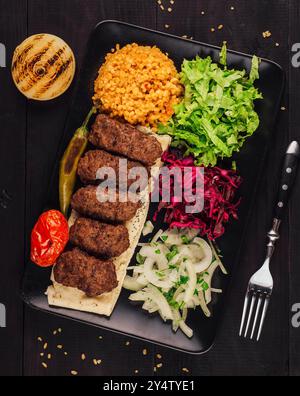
[{"x": 29, "y": 139}]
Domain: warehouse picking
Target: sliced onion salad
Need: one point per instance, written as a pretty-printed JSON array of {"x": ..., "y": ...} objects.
[{"x": 173, "y": 274}]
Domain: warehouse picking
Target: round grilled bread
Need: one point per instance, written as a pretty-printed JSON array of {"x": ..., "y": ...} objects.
[{"x": 43, "y": 67}]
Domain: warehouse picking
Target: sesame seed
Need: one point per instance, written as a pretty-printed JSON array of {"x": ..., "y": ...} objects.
[
  {"x": 202, "y": 13},
  {"x": 83, "y": 357},
  {"x": 66, "y": 353},
  {"x": 59, "y": 347},
  {"x": 170, "y": 9},
  {"x": 266, "y": 34},
  {"x": 45, "y": 346},
  {"x": 41, "y": 354},
  {"x": 162, "y": 7},
  {"x": 136, "y": 371},
  {"x": 159, "y": 356},
  {"x": 159, "y": 2},
  {"x": 99, "y": 361},
  {"x": 185, "y": 370},
  {"x": 167, "y": 26},
  {"x": 59, "y": 330},
  {"x": 232, "y": 8},
  {"x": 145, "y": 352},
  {"x": 54, "y": 332},
  {"x": 155, "y": 369},
  {"x": 44, "y": 365},
  {"x": 220, "y": 27},
  {"x": 127, "y": 343},
  {"x": 49, "y": 356},
  {"x": 159, "y": 365},
  {"x": 73, "y": 372},
  {"x": 40, "y": 339},
  {"x": 172, "y": 2},
  {"x": 185, "y": 36},
  {"x": 212, "y": 29},
  {"x": 283, "y": 108},
  {"x": 100, "y": 338},
  {"x": 95, "y": 361},
  {"x": 277, "y": 44}
]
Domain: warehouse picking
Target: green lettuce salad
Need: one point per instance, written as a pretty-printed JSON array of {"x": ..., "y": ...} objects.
[{"x": 217, "y": 113}]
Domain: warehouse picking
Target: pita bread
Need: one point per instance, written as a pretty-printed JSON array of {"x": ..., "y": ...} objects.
[{"x": 72, "y": 298}]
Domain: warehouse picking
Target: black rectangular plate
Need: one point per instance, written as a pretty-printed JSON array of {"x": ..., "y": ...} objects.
[{"x": 127, "y": 318}]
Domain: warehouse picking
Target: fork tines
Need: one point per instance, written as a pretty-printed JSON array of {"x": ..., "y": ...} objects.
[{"x": 259, "y": 298}]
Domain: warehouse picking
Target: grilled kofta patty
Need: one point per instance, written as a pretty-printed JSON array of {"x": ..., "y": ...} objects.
[
  {"x": 124, "y": 139},
  {"x": 86, "y": 203},
  {"x": 93, "y": 276},
  {"x": 95, "y": 160},
  {"x": 99, "y": 238}
]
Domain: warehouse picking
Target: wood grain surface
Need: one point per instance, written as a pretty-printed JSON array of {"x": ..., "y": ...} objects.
[{"x": 30, "y": 137}]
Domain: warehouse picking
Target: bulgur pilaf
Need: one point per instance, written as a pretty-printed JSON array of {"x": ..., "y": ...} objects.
[{"x": 139, "y": 84}]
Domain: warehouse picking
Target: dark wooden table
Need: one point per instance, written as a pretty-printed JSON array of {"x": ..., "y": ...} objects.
[{"x": 29, "y": 138}]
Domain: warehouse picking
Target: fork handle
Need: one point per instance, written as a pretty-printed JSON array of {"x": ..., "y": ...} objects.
[{"x": 288, "y": 178}]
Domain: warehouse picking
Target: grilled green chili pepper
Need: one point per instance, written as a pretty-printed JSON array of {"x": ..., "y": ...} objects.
[{"x": 69, "y": 163}]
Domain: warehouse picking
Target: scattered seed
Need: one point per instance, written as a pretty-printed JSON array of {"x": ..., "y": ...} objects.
[
  {"x": 45, "y": 346},
  {"x": 167, "y": 26},
  {"x": 54, "y": 332},
  {"x": 49, "y": 356},
  {"x": 95, "y": 362},
  {"x": 136, "y": 371},
  {"x": 66, "y": 353},
  {"x": 159, "y": 356},
  {"x": 202, "y": 13},
  {"x": 40, "y": 339},
  {"x": 283, "y": 108},
  {"x": 73, "y": 372},
  {"x": 127, "y": 343},
  {"x": 99, "y": 361},
  {"x": 185, "y": 36},
  {"x": 159, "y": 2},
  {"x": 220, "y": 27},
  {"x": 277, "y": 44},
  {"x": 172, "y": 2},
  {"x": 212, "y": 29},
  {"x": 185, "y": 370},
  {"x": 44, "y": 365},
  {"x": 59, "y": 330},
  {"x": 267, "y": 34},
  {"x": 155, "y": 369},
  {"x": 41, "y": 354},
  {"x": 83, "y": 357},
  {"x": 159, "y": 365},
  {"x": 232, "y": 8},
  {"x": 100, "y": 338},
  {"x": 59, "y": 347},
  {"x": 145, "y": 352},
  {"x": 162, "y": 7},
  {"x": 170, "y": 9}
]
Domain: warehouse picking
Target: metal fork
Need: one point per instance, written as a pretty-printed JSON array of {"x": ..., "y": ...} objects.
[{"x": 261, "y": 284}]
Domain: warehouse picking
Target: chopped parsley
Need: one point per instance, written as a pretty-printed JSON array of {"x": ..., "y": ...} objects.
[
  {"x": 185, "y": 239},
  {"x": 140, "y": 259},
  {"x": 164, "y": 238},
  {"x": 157, "y": 251},
  {"x": 174, "y": 251}
]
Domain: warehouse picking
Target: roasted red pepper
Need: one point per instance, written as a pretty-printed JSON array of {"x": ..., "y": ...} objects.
[{"x": 49, "y": 238}]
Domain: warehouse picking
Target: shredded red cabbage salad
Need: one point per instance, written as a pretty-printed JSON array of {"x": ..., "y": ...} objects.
[{"x": 220, "y": 187}]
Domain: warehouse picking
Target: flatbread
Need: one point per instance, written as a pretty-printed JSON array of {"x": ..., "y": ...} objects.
[{"x": 72, "y": 298}]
